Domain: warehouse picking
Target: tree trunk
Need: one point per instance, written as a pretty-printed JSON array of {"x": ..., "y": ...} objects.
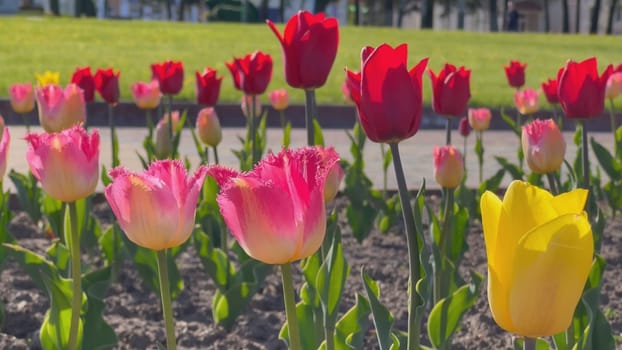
[
  {"x": 78, "y": 8},
  {"x": 427, "y": 14},
  {"x": 612, "y": 10},
  {"x": 504, "y": 21},
  {"x": 577, "y": 17},
  {"x": 566, "y": 17},
  {"x": 388, "y": 13},
  {"x": 180, "y": 13},
  {"x": 461, "y": 14},
  {"x": 594, "y": 18},
  {"x": 547, "y": 17},
  {"x": 492, "y": 8},
  {"x": 169, "y": 10},
  {"x": 357, "y": 12},
  {"x": 282, "y": 10}
]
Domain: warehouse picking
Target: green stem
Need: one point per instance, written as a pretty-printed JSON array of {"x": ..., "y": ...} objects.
[
  {"x": 464, "y": 151},
  {"x": 224, "y": 245},
  {"x": 290, "y": 307},
  {"x": 529, "y": 343},
  {"x": 26, "y": 123},
  {"x": 413, "y": 250},
  {"x": 215, "y": 148},
  {"x": 480, "y": 155},
  {"x": 448, "y": 131},
  {"x": 253, "y": 130},
  {"x": 149, "y": 121},
  {"x": 551, "y": 178},
  {"x": 329, "y": 335},
  {"x": 384, "y": 172},
  {"x": 170, "y": 118},
  {"x": 310, "y": 115},
  {"x": 165, "y": 293},
  {"x": 614, "y": 127},
  {"x": 113, "y": 131},
  {"x": 521, "y": 156},
  {"x": 570, "y": 337},
  {"x": 76, "y": 275},
  {"x": 445, "y": 233},
  {"x": 584, "y": 155},
  {"x": 282, "y": 117}
]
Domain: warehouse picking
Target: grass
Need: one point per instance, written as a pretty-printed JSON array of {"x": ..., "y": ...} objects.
[{"x": 32, "y": 45}]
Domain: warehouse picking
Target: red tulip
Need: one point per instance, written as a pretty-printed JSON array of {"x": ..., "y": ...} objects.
[
  {"x": 170, "y": 75},
  {"x": 309, "y": 48},
  {"x": 580, "y": 90},
  {"x": 107, "y": 85},
  {"x": 252, "y": 73},
  {"x": 84, "y": 79},
  {"x": 464, "y": 127},
  {"x": 388, "y": 96},
  {"x": 451, "y": 90},
  {"x": 550, "y": 91},
  {"x": 208, "y": 87},
  {"x": 515, "y": 72}
]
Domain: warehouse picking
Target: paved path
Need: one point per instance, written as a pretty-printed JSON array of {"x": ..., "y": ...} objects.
[{"x": 416, "y": 152}]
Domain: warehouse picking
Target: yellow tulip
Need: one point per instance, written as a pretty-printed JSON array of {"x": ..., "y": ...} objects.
[
  {"x": 48, "y": 78},
  {"x": 539, "y": 250}
]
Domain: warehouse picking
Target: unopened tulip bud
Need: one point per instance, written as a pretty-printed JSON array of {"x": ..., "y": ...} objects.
[
  {"x": 22, "y": 97},
  {"x": 479, "y": 118},
  {"x": 448, "y": 166},
  {"x": 163, "y": 141},
  {"x": 247, "y": 101},
  {"x": 208, "y": 127},
  {"x": 614, "y": 86},
  {"x": 526, "y": 101},
  {"x": 543, "y": 145},
  {"x": 146, "y": 95},
  {"x": 464, "y": 128},
  {"x": 279, "y": 99}
]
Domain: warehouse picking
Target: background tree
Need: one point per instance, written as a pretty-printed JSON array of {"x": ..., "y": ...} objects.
[
  {"x": 594, "y": 18},
  {"x": 612, "y": 9},
  {"x": 427, "y": 14},
  {"x": 565, "y": 17},
  {"x": 493, "y": 14}
]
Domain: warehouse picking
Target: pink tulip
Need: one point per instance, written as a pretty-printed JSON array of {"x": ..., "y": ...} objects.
[
  {"x": 4, "y": 150},
  {"x": 279, "y": 99},
  {"x": 526, "y": 101},
  {"x": 448, "y": 166},
  {"x": 22, "y": 97},
  {"x": 66, "y": 163},
  {"x": 208, "y": 127},
  {"x": 276, "y": 211},
  {"x": 156, "y": 208},
  {"x": 163, "y": 141},
  {"x": 614, "y": 86},
  {"x": 479, "y": 118},
  {"x": 59, "y": 108},
  {"x": 335, "y": 174},
  {"x": 543, "y": 145},
  {"x": 146, "y": 95}
]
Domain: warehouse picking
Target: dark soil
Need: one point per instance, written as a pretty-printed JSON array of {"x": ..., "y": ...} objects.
[{"x": 134, "y": 311}]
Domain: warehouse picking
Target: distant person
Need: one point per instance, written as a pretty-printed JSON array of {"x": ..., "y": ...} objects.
[{"x": 513, "y": 17}]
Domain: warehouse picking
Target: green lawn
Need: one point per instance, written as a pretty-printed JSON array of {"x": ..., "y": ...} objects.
[{"x": 30, "y": 45}]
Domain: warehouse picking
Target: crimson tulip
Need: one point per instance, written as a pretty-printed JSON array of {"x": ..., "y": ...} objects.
[
  {"x": 107, "y": 84},
  {"x": 450, "y": 90},
  {"x": 464, "y": 127},
  {"x": 387, "y": 95},
  {"x": 170, "y": 75},
  {"x": 251, "y": 73},
  {"x": 581, "y": 90},
  {"x": 309, "y": 45},
  {"x": 550, "y": 91},
  {"x": 515, "y": 72},
  {"x": 85, "y": 81},
  {"x": 208, "y": 87}
]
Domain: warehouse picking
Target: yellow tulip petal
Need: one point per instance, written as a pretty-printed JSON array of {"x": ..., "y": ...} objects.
[
  {"x": 572, "y": 202},
  {"x": 490, "y": 206},
  {"x": 524, "y": 207},
  {"x": 549, "y": 271},
  {"x": 498, "y": 300}
]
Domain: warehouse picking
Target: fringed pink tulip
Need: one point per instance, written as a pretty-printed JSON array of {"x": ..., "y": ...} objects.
[
  {"x": 543, "y": 145},
  {"x": 146, "y": 95},
  {"x": 479, "y": 118},
  {"x": 279, "y": 99},
  {"x": 335, "y": 174},
  {"x": 4, "y": 150},
  {"x": 276, "y": 211},
  {"x": 66, "y": 163},
  {"x": 22, "y": 97},
  {"x": 526, "y": 101},
  {"x": 448, "y": 166},
  {"x": 59, "y": 108},
  {"x": 156, "y": 208}
]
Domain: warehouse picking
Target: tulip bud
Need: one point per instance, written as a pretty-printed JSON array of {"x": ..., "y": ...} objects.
[
  {"x": 146, "y": 95},
  {"x": 614, "y": 86},
  {"x": 208, "y": 127},
  {"x": 464, "y": 128},
  {"x": 448, "y": 166},
  {"x": 247, "y": 102},
  {"x": 163, "y": 141},
  {"x": 526, "y": 101},
  {"x": 479, "y": 118},
  {"x": 279, "y": 99},
  {"x": 543, "y": 145},
  {"x": 22, "y": 97}
]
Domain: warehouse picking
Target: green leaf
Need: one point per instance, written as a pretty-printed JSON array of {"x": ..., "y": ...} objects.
[
  {"x": 318, "y": 136},
  {"x": 447, "y": 313},
  {"x": 287, "y": 134},
  {"x": 306, "y": 326},
  {"x": 514, "y": 170},
  {"x": 511, "y": 123},
  {"x": 115, "y": 148},
  {"x": 383, "y": 320},
  {"x": 98, "y": 334},
  {"x": 5, "y": 217},
  {"x": 55, "y": 215},
  {"x": 331, "y": 280},
  {"x": 541, "y": 344},
  {"x": 28, "y": 194},
  {"x": 215, "y": 263},
  {"x": 607, "y": 161},
  {"x": 351, "y": 328}
]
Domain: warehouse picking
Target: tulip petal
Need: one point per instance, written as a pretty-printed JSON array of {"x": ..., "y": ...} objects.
[
  {"x": 491, "y": 212},
  {"x": 571, "y": 202},
  {"x": 498, "y": 300},
  {"x": 550, "y": 268}
]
